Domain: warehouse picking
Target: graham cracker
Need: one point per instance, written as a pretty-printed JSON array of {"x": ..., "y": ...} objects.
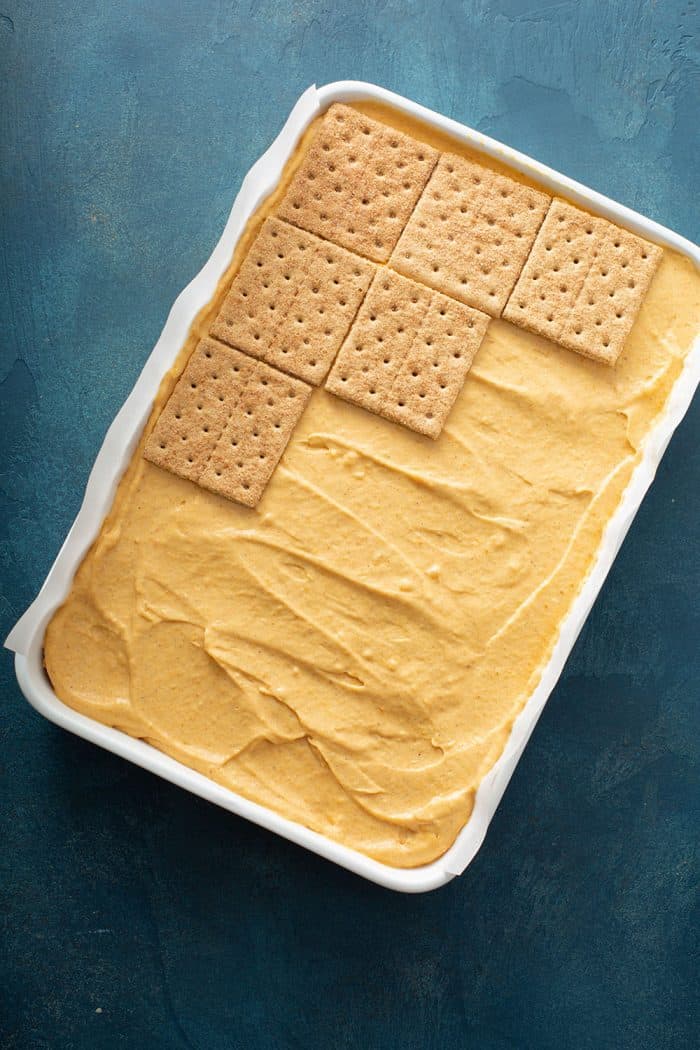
[
  {"x": 470, "y": 233},
  {"x": 227, "y": 422},
  {"x": 379, "y": 340},
  {"x": 433, "y": 372},
  {"x": 196, "y": 412},
  {"x": 408, "y": 353},
  {"x": 293, "y": 300},
  {"x": 583, "y": 283},
  {"x": 358, "y": 183},
  {"x": 256, "y": 435}
]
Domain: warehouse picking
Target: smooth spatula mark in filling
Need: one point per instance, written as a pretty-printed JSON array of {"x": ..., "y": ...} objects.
[
  {"x": 408, "y": 353},
  {"x": 358, "y": 183},
  {"x": 227, "y": 422},
  {"x": 470, "y": 233},
  {"x": 292, "y": 301},
  {"x": 584, "y": 283}
]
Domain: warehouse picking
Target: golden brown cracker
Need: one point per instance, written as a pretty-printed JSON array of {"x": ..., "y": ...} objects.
[
  {"x": 433, "y": 372},
  {"x": 293, "y": 300},
  {"x": 197, "y": 410},
  {"x": 408, "y": 353},
  {"x": 583, "y": 283},
  {"x": 256, "y": 435},
  {"x": 379, "y": 340},
  {"x": 227, "y": 422},
  {"x": 358, "y": 183},
  {"x": 470, "y": 233}
]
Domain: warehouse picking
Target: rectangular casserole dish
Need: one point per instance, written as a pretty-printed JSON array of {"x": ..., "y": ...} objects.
[{"x": 27, "y": 637}]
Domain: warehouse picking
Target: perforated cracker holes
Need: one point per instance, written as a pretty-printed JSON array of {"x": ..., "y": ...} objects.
[
  {"x": 436, "y": 366},
  {"x": 470, "y": 233},
  {"x": 292, "y": 302},
  {"x": 369, "y": 360},
  {"x": 227, "y": 422},
  {"x": 256, "y": 435},
  {"x": 584, "y": 283},
  {"x": 198, "y": 408},
  {"x": 358, "y": 183},
  {"x": 408, "y": 353}
]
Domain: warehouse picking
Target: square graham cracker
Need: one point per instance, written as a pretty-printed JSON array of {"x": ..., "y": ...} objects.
[
  {"x": 196, "y": 412},
  {"x": 358, "y": 183},
  {"x": 256, "y": 435},
  {"x": 408, "y": 353},
  {"x": 293, "y": 300},
  {"x": 583, "y": 283},
  {"x": 470, "y": 233},
  {"x": 227, "y": 422}
]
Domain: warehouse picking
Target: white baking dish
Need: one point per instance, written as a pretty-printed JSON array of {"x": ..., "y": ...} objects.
[{"x": 26, "y": 639}]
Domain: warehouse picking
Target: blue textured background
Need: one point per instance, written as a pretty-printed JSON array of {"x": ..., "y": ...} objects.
[{"x": 136, "y": 916}]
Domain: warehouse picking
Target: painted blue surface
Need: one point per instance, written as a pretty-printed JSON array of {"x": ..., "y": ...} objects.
[{"x": 136, "y": 916}]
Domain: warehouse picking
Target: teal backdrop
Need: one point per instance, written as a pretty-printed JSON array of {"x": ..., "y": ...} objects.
[{"x": 136, "y": 916}]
